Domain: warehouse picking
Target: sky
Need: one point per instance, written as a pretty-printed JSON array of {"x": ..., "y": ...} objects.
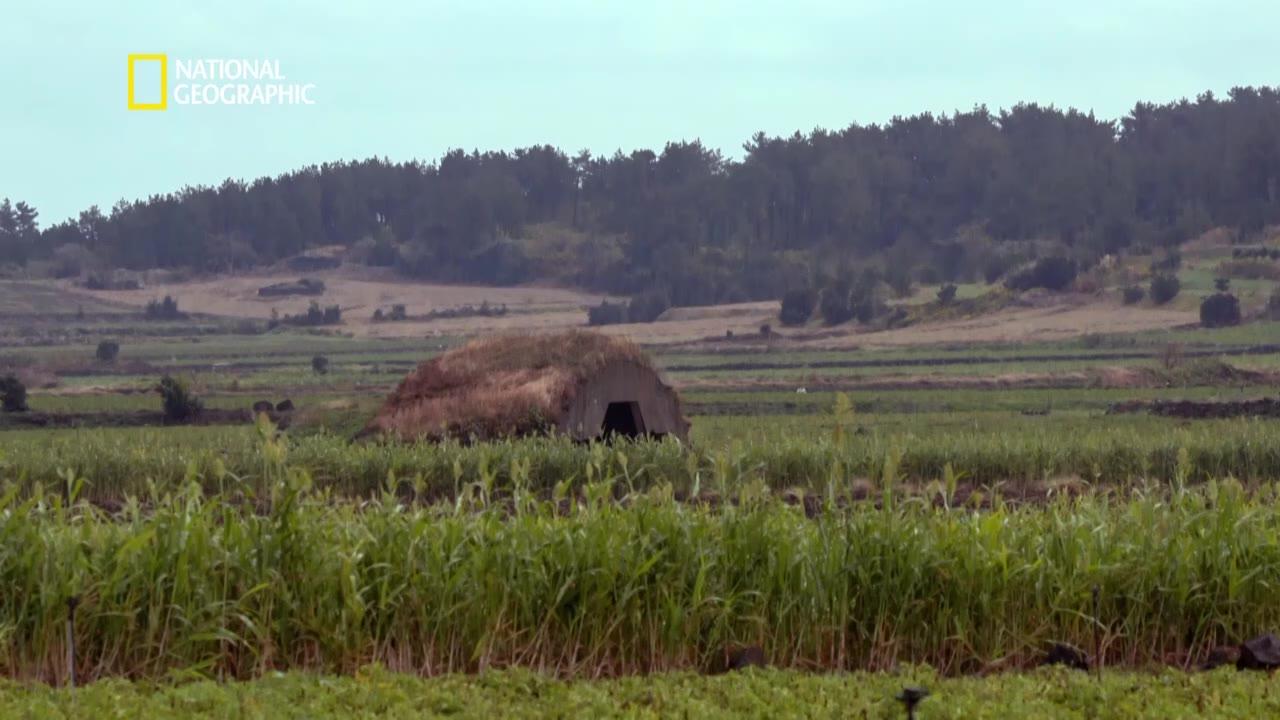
[{"x": 411, "y": 79}]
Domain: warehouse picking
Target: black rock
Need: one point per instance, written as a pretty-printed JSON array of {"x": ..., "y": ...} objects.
[
  {"x": 910, "y": 697},
  {"x": 745, "y": 657},
  {"x": 1069, "y": 655},
  {"x": 1221, "y": 655},
  {"x": 1259, "y": 653}
]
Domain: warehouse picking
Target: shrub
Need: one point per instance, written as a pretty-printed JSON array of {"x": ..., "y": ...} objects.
[
  {"x": 647, "y": 306},
  {"x": 320, "y": 364},
  {"x": 1164, "y": 288},
  {"x": 607, "y": 313},
  {"x": 180, "y": 403},
  {"x": 378, "y": 316},
  {"x": 398, "y": 312},
  {"x": 13, "y": 394},
  {"x": 315, "y": 315},
  {"x": 1222, "y": 284},
  {"x": 1134, "y": 294},
  {"x": 166, "y": 309},
  {"x": 834, "y": 305},
  {"x": 946, "y": 294},
  {"x": 1051, "y": 273},
  {"x": 797, "y": 306},
  {"x": 107, "y": 351},
  {"x": 1220, "y": 310}
]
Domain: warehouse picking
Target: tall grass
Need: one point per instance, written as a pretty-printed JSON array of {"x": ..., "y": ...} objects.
[
  {"x": 115, "y": 463},
  {"x": 278, "y": 575}
]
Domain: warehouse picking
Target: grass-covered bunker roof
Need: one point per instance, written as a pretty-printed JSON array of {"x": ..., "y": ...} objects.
[{"x": 579, "y": 383}]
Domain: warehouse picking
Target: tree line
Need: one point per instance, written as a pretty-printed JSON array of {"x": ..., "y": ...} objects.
[{"x": 933, "y": 198}]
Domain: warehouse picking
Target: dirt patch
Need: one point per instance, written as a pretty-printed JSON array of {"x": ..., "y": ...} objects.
[
  {"x": 358, "y": 291},
  {"x": 1059, "y": 318}
]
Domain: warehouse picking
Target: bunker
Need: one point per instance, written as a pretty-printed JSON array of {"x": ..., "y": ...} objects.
[{"x": 580, "y": 384}]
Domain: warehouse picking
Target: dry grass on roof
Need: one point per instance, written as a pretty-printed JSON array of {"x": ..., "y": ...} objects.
[
  {"x": 500, "y": 386},
  {"x": 577, "y": 352}
]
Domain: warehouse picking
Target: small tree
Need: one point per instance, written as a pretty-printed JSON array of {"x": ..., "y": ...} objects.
[
  {"x": 320, "y": 365},
  {"x": 166, "y": 309},
  {"x": 647, "y": 306},
  {"x": 607, "y": 313},
  {"x": 180, "y": 403},
  {"x": 108, "y": 351},
  {"x": 1164, "y": 288},
  {"x": 1220, "y": 310},
  {"x": 13, "y": 394},
  {"x": 1134, "y": 294},
  {"x": 1051, "y": 273},
  {"x": 834, "y": 305},
  {"x": 797, "y": 306},
  {"x": 946, "y": 294},
  {"x": 1273, "y": 304}
]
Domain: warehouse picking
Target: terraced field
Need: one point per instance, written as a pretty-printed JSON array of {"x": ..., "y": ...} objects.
[{"x": 867, "y": 518}]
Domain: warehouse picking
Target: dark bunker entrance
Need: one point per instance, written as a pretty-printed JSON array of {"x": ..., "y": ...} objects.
[{"x": 623, "y": 419}]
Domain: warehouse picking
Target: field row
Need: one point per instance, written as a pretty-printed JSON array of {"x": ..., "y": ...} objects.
[
  {"x": 820, "y": 454},
  {"x": 286, "y": 578}
]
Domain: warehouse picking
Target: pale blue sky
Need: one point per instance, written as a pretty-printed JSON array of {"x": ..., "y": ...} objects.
[{"x": 411, "y": 79}]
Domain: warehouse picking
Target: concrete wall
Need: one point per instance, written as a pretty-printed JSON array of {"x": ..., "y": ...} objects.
[{"x": 624, "y": 382}]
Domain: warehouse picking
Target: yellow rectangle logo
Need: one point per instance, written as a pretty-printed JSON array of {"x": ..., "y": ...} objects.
[{"x": 164, "y": 81}]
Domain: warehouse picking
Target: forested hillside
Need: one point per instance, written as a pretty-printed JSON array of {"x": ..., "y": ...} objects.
[{"x": 926, "y": 197}]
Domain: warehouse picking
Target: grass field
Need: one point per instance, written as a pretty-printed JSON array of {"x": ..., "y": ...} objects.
[
  {"x": 273, "y": 575},
  {"x": 954, "y": 504},
  {"x": 372, "y": 692}
]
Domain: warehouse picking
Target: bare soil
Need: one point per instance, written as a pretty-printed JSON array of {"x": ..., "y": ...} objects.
[{"x": 359, "y": 291}]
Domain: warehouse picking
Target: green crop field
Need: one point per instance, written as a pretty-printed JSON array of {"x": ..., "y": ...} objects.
[
  {"x": 941, "y": 521},
  {"x": 376, "y": 693}
]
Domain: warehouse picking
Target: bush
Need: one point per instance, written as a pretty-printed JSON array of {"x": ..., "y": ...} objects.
[
  {"x": 1222, "y": 284},
  {"x": 1164, "y": 288},
  {"x": 797, "y": 306},
  {"x": 607, "y": 313},
  {"x": 647, "y": 306},
  {"x": 180, "y": 403},
  {"x": 315, "y": 315},
  {"x": 320, "y": 364},
  {"x": 166, "y": 309},
  {"x": 13, "y": 394},
  {"x": 1051, "y": 273},
  {"x": 398, "y": 312},
  {"x": 107, "y": 351},
  {"x": 1134, "y": 294},
  {"x": 835, "y": 306},
  {"x": 1220, "y": 310},
  {"x": 946, "y": 294}
]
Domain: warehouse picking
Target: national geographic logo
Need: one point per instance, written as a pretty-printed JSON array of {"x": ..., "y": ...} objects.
[{"x": 211, "y": 81}]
